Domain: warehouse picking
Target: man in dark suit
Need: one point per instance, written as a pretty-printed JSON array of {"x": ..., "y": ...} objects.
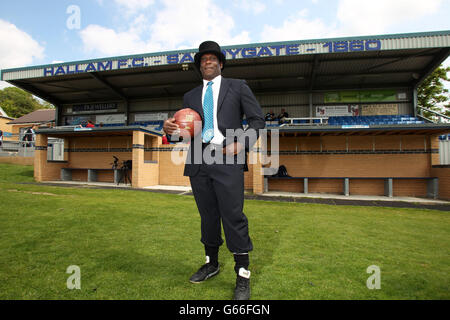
[{"x": 218, "y": 186}]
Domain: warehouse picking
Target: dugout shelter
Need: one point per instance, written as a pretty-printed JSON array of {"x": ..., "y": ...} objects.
[{"x": 353, "y": 125}]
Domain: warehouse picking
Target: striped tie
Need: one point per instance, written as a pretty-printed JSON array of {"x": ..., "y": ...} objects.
[{"x": 208, "y": 112}]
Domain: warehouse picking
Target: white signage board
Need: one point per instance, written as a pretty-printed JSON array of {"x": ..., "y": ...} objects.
[
  {"x": 110, "y": 118},
  {"x": 337, "y": 111},
  {"x": 141, "y": 117}
]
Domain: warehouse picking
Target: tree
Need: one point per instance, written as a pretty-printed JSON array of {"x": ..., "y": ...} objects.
[
  {"x": 17, "y": 102},
  {"x": 431, "y": 93}
]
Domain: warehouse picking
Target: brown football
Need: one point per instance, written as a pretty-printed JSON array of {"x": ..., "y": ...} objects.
[{"x": 185, "y": 119}]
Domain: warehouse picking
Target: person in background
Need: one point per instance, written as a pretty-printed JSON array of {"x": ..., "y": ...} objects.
[
  {"x": 33, "y": 134},
  {"x": 283, "y": 114},
  {"x": 28, "y": 137},
  {"x": 164, "y": 140},
  {"x": 88, "y": 124},
  {"x": 270, "y": 116},
  {"x": 1, "y": 138}
]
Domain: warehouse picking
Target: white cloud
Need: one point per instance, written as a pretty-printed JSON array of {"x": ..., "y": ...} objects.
[
  {"x": 370, "y": 17},
  {"x": 17, "y": 48},
  {"x": 189, "y": 23},
  {"x": 137, "y": 4},
  {"x": 353, "y": 17},
  {"x": 133, "y": 6},
  {"x": 105, "y": 41},
  {"x": 298, "y": 27},
  {"x": 253, "y": 6},
  {"x": 178, "y": 25},
  {"x": 446, "y": 64}
]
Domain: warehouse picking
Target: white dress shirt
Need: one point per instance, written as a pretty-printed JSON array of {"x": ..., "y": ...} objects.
[{"x": 218, "y": 137}]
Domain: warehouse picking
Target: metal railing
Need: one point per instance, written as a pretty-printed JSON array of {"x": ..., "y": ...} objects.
[
  {"x": 55, "y": 149},
  {"x": 19, "y": 148},
  {"x": 306, "y": 121},
  {"x": 441, "y": 118}
]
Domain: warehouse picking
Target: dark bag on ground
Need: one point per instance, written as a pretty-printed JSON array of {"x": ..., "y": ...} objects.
[{"x": 282, "y": 172}]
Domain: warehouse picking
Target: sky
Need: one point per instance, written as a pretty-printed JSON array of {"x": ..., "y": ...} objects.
[{"x": 52, "y": 31}]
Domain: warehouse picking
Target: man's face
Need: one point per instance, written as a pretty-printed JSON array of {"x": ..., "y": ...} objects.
[{"x": 210, "y": 66}]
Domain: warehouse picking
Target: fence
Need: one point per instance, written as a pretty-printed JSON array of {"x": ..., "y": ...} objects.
[
  {"x": 55, "y": 149},
  {"x": 18, "y": 148}
]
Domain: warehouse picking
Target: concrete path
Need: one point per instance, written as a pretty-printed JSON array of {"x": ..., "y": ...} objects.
[{"x": 319, "y": 198}]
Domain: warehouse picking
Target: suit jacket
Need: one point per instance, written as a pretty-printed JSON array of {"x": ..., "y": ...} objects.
[{"x": 235, "y": 100}]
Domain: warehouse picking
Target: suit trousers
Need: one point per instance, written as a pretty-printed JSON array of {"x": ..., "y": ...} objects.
[{"x": 219, "y": 194}]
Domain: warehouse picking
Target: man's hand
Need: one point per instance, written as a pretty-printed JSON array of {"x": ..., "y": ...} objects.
[
  {"x": 233, "y": 149},
  {"x": 170, "y": 127}
]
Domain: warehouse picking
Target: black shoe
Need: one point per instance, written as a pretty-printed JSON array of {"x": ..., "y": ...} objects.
[
  {"x": 242, "y": 290},
  {"x": 205, "y": 272}
]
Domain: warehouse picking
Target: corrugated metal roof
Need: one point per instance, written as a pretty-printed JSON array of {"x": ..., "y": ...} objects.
[
  {"x": 377, "y": 43},
  {"x": 302, "y": 72}
]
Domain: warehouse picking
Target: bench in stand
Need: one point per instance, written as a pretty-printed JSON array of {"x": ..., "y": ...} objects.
[
  {"x": 66, "y": 173},
  {"x": 432, "y": 186}
]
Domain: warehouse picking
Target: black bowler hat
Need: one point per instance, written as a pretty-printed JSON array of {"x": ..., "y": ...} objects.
[{"x": 209, "y": 47}]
